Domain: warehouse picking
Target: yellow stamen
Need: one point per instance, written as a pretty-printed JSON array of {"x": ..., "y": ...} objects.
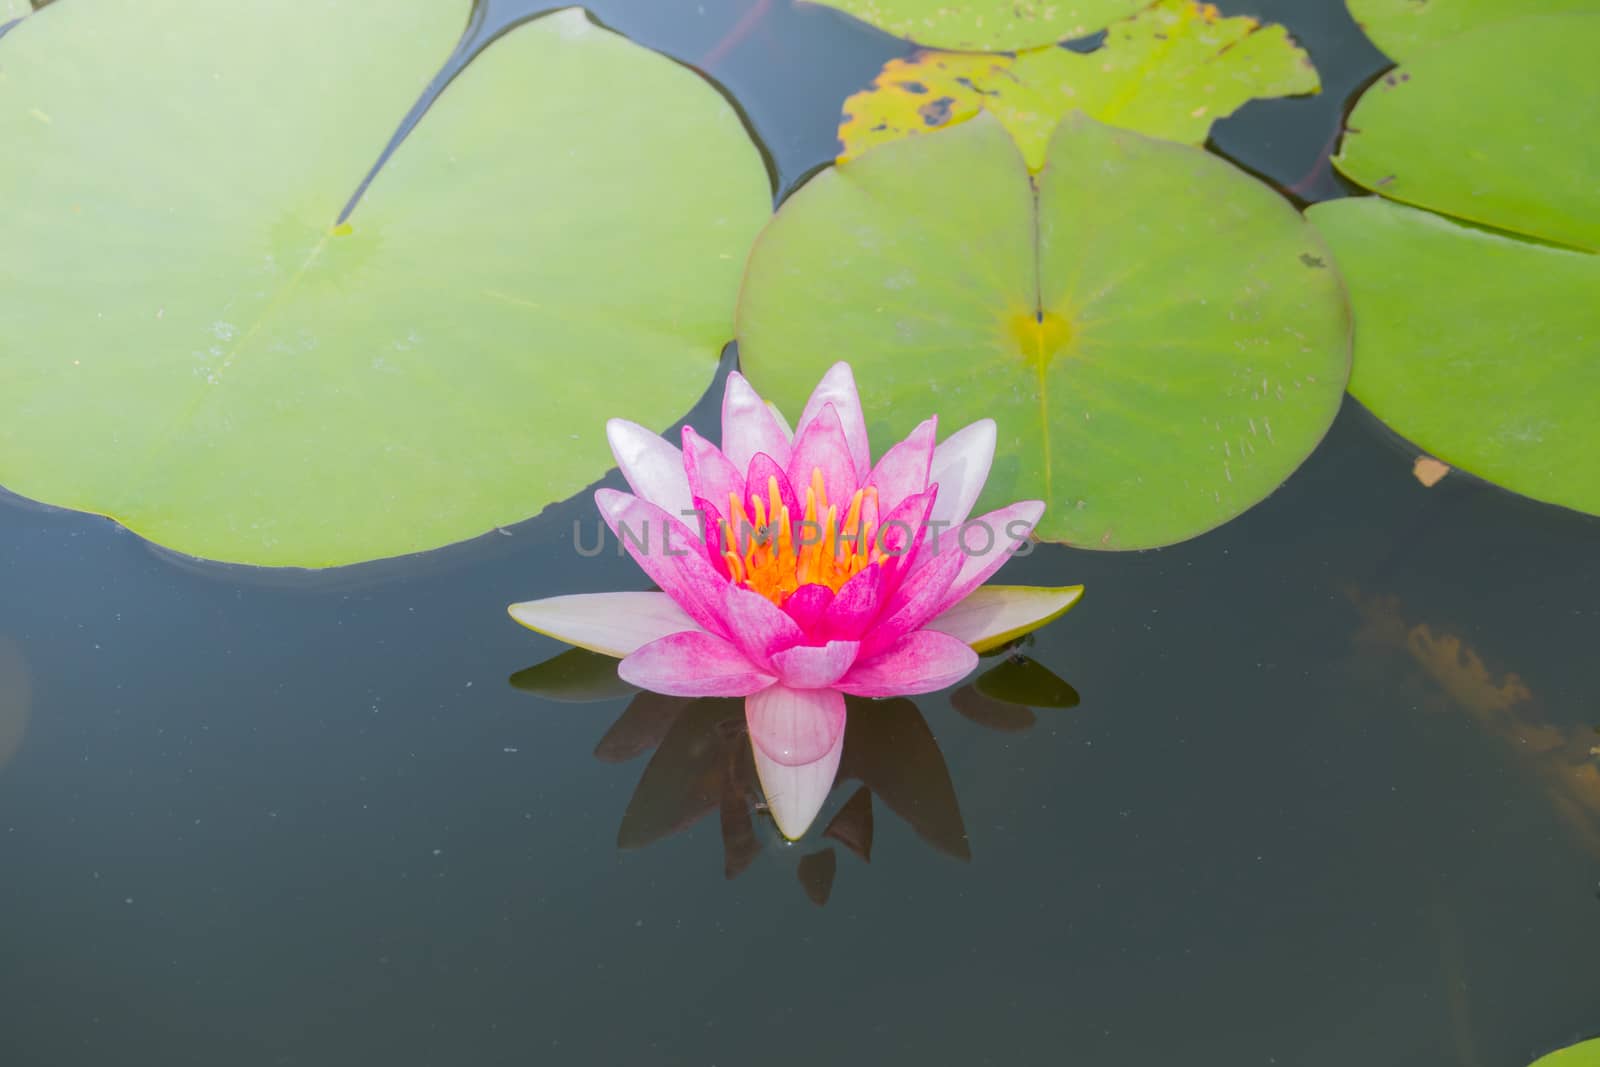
[{"x": 766, "y": 556}]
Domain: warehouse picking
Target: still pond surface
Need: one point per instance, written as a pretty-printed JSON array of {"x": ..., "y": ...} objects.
[{"x": 1326, "y": 793}]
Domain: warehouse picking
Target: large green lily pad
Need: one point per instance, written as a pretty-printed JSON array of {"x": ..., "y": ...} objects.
[
  {"x": 987, "y": 25},
  {"x": 1482, "y": 349},
  {"x": 1515, "y": 150},
  {"x": 193, "y": 347},
  {"x": 1161, "y": 338},
  {"x": 1170, "y": 71},
  {"x": 1583, "y": 1054},
  {"x": 1404, "y": 27}
]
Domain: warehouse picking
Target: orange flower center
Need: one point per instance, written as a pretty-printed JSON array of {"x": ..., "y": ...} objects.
[{"x": 773, "y": 555}]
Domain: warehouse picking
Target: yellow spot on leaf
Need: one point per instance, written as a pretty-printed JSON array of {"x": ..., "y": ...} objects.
[{"x": 1039, "y": 336}]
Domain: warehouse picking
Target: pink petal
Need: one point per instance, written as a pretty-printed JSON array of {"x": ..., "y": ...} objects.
[
  {"x": 814, "y": 666},
  {"x": 987, "y": 542},
  {"x": 796, "y": 793},
  {"x": 960, "y": 467},
  {"x": 612, "y": 624},
  {"x": 651, "y": 465},
  {"x": 794, "y": 726},
  {"x": 693, "y": 664},
  {"x": 901, "y": 537},
  {"x": 710, "y": 519},
  {"x": 919, "y": 662},
  {"x": 711, "y": 474},
  {"x": 838, "y": 387},
  {"x": 903, "y": 470},
  {"x": 757, "y": 625},
  {"x": 820, "y": 445},
  {"x": 993, "y": 615},
  {"x": 808, "y": 605},
  {"x": 669, "y": 552},
  {"x": 749, "y": 425},
  {"x": 856, "y": 606},
  {"x": 902, "y": 530},
  {"x": 920, "y": 597},
  {"x": 764, "y": 470}
]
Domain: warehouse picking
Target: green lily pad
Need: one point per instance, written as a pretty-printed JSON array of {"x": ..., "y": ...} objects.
[
  {"x": 1170, "y": 71},
  {"x": 1404, "y": 27},
  {"x": 1161, "y": 338},
  {"x": 987, "y": 25},
  {"x": 193, "y": 347},
  {"x": 1583, "y": 1054},
  {"x": 1515, "y": 151},
  {"x": 1478, "y": 347}
]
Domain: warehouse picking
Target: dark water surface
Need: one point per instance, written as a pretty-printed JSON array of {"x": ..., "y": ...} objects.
[{"x": 1327, "y": 797}]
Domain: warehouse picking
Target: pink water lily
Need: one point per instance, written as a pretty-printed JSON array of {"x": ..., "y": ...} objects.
[{"x": 793, "y": 570}]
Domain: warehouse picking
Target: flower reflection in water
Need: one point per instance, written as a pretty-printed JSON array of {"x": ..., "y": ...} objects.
[{"x": 701, "y": 763}]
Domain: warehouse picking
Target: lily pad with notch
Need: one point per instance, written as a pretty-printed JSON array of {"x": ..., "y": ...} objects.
[
  {"x": 1161, "y": 338},
  {"x": 199, "y": 346}
]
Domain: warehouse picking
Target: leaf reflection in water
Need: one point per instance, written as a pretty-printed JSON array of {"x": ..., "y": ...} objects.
[{"x": 1003, "y": 698}]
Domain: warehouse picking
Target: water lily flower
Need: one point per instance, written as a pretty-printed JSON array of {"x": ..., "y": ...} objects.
[{"x": 793, "y": 569}]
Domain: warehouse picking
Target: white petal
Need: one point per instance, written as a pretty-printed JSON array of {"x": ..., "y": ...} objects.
[
  {"x": 783, "y": 423},
  {"x": 996, "y": 614},
  {"x": 750, "y": 426},
  {"x": 612, "y": 624},
  {"x": 796, "y": 794},
  {"x": 652, "y": 465},
  {"x": 960, "y": 467}
]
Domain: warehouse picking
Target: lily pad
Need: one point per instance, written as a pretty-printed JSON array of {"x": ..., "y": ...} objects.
[
  {"x": 1515, "y": 151},
  {"x": 1583, "y": 1054},
  {"x": 1170, "y": 71},
  {"x": 1478, "y": 347},
  {"x": 1404, "y": 27},
  {"x": 195, "y": 348},
  {"x": 987, "y": 25},
  {"x": 1161, "y": 338}
]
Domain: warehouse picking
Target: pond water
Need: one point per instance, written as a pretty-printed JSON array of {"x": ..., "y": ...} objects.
[{"x": 1327, "y": 795}]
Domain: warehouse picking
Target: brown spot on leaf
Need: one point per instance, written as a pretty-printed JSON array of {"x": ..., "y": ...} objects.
[
  {"x": 1429, "y": 471},
  {"x": 1314, "y": 262},
  {"x": 936, "y": 112}
]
